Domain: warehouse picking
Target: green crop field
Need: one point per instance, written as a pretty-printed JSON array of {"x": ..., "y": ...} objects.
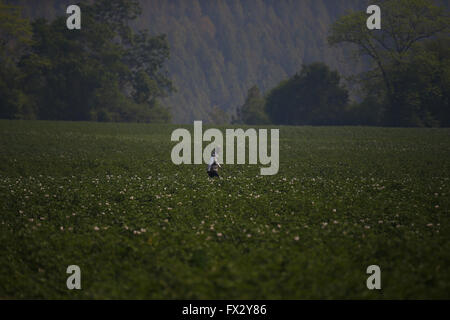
[{"x": 106, "y": 197}]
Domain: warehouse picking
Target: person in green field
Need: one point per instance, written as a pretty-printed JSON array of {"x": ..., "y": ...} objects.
[{"x": 214, "y": 165}]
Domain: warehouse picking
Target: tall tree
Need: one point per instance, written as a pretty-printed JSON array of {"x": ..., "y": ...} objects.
[{"x": 404, "y": 24}]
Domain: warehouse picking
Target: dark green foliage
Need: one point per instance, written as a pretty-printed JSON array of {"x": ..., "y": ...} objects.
[
  {"x": 15, "y": 37},
  {"x": 314, "y": 96},
  {"x": 103, "y": 72},
  {"x": 408, "y": 60},
  {"x": 422, "y": 84},
  {"x": 253, "y": 110}
]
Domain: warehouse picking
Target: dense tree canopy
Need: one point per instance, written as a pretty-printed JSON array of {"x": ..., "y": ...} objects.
[
  {"x": 219, "y": 49},
  {"x": 253, "y": 110},
  {"x": 104, "y": 72},
  {"x": 408, "y": 71},
  {"x": 15, "y": 37},
  {"x": 314, "y": 96}
]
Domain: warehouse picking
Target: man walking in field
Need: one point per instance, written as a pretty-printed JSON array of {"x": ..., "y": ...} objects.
[{"x": 213, "y": 166}]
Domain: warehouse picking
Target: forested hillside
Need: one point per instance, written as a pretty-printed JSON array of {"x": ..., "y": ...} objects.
[{"x": 220, "y": 49}]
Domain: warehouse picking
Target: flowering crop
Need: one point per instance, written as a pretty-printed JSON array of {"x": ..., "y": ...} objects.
[{"x": 107, "y": 198}]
